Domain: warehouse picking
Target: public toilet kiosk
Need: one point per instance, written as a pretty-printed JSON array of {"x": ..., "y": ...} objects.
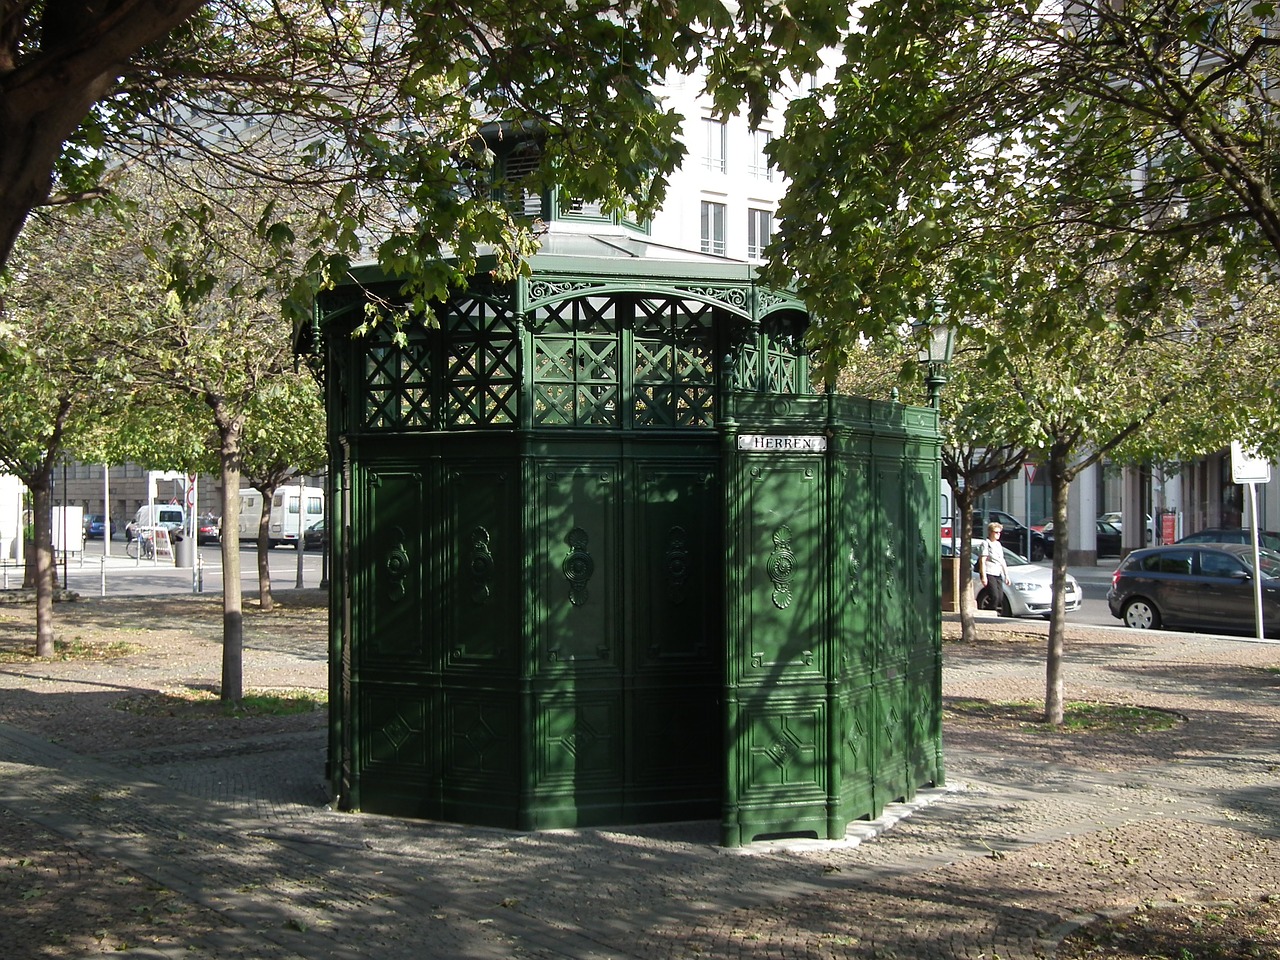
[{"x": 601, "y": 557}]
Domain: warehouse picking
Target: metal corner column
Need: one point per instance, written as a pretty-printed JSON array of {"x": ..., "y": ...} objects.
[
  {"x": 731, "y": 509},
  {"x": 835, "y": 715}
]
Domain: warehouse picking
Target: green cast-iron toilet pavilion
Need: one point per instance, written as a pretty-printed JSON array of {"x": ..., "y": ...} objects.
[{"x": 600, "y": 557}]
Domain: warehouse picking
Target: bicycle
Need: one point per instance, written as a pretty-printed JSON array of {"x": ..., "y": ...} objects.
[{"x": 143, "y": 546}]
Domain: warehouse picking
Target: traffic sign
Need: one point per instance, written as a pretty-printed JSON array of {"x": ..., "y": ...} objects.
[{"x": 1247, "y": 466}]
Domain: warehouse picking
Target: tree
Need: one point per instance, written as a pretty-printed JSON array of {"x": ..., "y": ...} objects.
[
  {"x": 1078, "y": 399},
  {"x": 1075, "y": 195},
  {"x": 984, "y": 443},
  {"x": 959, "y": 135},
  {"x": 283, "y": 437},
  {"x": 379, "y": 100},
  {"x": 217, "y": 337},
  {"x": 57, "y": 378},
  {"x": 984, "y": 447}
]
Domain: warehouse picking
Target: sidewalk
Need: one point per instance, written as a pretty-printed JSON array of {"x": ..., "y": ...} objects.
[{"x": 170, "y": 837}]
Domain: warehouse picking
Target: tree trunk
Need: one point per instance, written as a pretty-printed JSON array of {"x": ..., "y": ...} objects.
[
  {"x": 1060, "y": 485},
  {"x": 42, "y": 520},
  {"x": 232, "y": 601},
  {"x": 265, "y": 600}
]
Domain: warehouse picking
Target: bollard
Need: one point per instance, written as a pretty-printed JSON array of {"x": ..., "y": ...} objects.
[{"x": 102, "y": 578}]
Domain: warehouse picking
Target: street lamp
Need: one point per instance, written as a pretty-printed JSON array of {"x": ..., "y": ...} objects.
[{"x": 935, "y": 355}]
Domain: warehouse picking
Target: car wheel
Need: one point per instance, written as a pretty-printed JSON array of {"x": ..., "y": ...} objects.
[
  {"x": 984, "y": 599},
  {"x": 1037, "y": 553},
  {"x": 1141, "y": 615},
  {"x": 1005, "y": 609}
]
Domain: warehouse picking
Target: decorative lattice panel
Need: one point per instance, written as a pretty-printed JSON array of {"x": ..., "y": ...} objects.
[
  {"x": 482, "y": 364},
  {"x": 746, "y": 368},
  {"x": 781, "y": 374},
  {"x": 397, "y": 383},
  {"x": 576, "y": 355},
  {"x": 784, "y": 354},
  {"x": 674, "y": 364}
]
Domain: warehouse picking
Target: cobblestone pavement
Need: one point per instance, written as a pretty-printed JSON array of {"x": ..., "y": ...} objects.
[{"x": 158, "y": 839}]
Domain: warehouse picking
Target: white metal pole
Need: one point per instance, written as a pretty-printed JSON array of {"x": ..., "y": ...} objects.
[
  {"x": 193, "y": 498},
  {"x": 1026, "y": 502},
  {"x": 106, "y": 510},
  {"x": 1257, "y": 564},
  {"x": 302, "y": 505}
]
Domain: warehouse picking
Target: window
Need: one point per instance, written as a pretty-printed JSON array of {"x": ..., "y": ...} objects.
[
  {"x": 580, "y": 208},
  {"x": 1168, "y": 561},
  {"x": 521, "y": 198},
  {"x": 713, "y": 227},
  {"x": 759, "y": 230},
  {"x": 759, "y": 167},
  {"x": 1219, "y": 565},
  {"x": 715, "y": 147}
]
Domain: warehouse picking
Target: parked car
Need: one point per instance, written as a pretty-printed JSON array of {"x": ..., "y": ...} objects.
[
  {"x": 95, "y": 525},
  {"x": 208, "y": 529},
  {"x": 1197, "y": 587},
  {"x": 1266, "y": 538},
  {"x": 315, "y": 536},
  {"x": 1014, "y": 535},
  {"x": 1029, "y": 591},
  {"x": 1113, "y": 516},
  {"x": 1108, "y": 538}
]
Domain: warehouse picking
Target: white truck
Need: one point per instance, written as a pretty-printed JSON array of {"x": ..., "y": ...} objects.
[{"x": 293, "y": 510}]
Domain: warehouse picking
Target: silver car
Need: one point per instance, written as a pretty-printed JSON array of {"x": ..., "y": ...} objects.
[{"x": 1029, "y": 592}]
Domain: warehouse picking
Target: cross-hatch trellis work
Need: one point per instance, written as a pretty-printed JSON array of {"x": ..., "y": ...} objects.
[
  {"x": 600, "y": 557},
  {"x": 585, "y": 354}
]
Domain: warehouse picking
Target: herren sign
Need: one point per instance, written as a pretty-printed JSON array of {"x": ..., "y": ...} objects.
[{"x": 765, "y": 443}]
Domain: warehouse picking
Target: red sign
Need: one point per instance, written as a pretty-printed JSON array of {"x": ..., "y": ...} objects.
[{"x": 1031, "y": 469}]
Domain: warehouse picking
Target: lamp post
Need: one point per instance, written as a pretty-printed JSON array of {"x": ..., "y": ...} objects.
[{"x": 935, "y": 356}]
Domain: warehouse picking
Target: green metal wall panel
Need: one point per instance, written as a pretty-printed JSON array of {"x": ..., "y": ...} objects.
[
  {"x": 676, "y": 557},
  {"x": 481, "y": 566},
  {"x": 390, "y": 544},
  {"x": 395, "y": 763},
  {"x": 780, "y": 573},
  {"x": 577, "y": 568},
  {"x": 677, "y": 752},
  {"x": 857, "y": 744},
  {"x": 778, "y": 766},
  {"x": 580, "y": 767}
]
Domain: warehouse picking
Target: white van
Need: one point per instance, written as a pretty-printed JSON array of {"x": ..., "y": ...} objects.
[
  {"x": 292, "y": 512},
  {"x": 250, "y": 513},
  {"x": 171, "y": 516}
]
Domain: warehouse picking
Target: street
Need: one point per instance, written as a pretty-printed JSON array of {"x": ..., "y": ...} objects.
[
  {"x": 122, "y": 576},
  {"x": 93, "y": 575},
  {"x": 1094, "y": 582}
]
